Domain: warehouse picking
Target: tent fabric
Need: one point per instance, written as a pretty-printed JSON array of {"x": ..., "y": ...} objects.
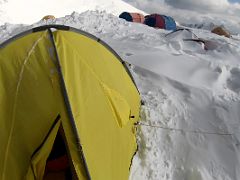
[
  {"x": 132, "y": 17},
  {"x": 47, "y": 17},
  {"x": 187, "y": 35},
  {"x": 155, "y": 20},
  {"x": 160, "y": 21},
  {"x": 39, "y": 158},
  {"x": 89, "y": 92},
  {"x": 221, "y": 31},
  {"x": 169, "y": 23}
]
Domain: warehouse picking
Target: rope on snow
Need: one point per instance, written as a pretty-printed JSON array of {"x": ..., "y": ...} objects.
[{"x": 185, "y": 130}]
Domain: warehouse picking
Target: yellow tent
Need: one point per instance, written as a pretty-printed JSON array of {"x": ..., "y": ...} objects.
[{"x": 57, "y": 77}]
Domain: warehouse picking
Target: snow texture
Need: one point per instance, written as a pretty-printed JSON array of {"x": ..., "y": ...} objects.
[
  {"x": 15, "y": 11},
  {"x": 183, "y": 87}
]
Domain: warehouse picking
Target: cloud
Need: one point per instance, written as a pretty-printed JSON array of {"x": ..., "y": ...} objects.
[
  {"x": 203, "y": 6},
  {"x": 217, "y": 12},
  {"x": 3, "y": 1},
  {"x": 148, "y": 6}
]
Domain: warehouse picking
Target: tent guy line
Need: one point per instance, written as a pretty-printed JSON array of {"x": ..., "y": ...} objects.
[{"x": 185, "y": 130}]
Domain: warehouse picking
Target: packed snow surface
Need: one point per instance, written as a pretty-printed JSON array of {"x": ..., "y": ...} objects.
[{"x": 190, "y": 121}]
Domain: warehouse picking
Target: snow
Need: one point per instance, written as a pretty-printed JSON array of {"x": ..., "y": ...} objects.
[
  {"x": 197, "y": 14},
  {"x": 183, "y": 86},
  {"x": 15, "y": 11}
]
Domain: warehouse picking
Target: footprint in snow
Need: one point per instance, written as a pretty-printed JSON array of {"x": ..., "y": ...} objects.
[
  {"x": 128, "y": 54},
  {"x": 233, "y": 81}
]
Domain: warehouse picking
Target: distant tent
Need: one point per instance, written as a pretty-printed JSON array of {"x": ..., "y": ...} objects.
[
  {"x": 170, "y": 24},
  {"x": 155, "y": 20},
  {"x": 132, "y": 17},
  {"x": 187, "y": 35},
  {"x": 181, "y": 33},
  {"x": 221, "y": 31},
  {"x": 160, "y": 21},
  {"x": 47, "y": 17},
  {"x": 59, "y": 79}
]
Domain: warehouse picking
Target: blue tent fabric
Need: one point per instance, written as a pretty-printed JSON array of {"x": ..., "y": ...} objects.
[{"x": 169, "y": 23}]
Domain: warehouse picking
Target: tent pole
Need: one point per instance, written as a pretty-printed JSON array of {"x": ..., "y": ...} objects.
[{"x": 68, "y": 106}]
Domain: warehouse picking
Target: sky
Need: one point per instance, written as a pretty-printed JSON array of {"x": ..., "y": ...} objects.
[
  {"x": 231, "y": 7},
  {"x": 17, "y": 9},
  {"x": 195, "y": 12}
]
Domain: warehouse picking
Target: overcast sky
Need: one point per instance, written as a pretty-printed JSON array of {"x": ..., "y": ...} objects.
[
  {"x": 234, "y": 1},
  {"x": 217, "y": 12},
  {"x": 231, "y": 7}
]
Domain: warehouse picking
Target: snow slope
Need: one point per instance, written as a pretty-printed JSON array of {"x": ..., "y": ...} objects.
[
  {"x": 184, "y": 87},
  {"x": 29, "y": 11}
]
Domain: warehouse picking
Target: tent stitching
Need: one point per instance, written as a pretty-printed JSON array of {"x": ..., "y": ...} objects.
[
  {"x": 68, "y": 105},
  {"x": 15, "y": 102}
]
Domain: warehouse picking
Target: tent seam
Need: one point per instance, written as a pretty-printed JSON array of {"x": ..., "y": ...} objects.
[
  {"x": 68, "y": 105},
  {"x": 20, "y": 77}
]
